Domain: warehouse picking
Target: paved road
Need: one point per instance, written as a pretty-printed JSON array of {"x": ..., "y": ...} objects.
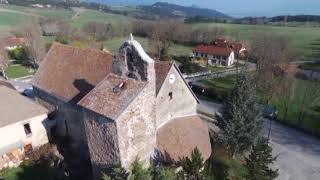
[{"x": 298, "y": 153}]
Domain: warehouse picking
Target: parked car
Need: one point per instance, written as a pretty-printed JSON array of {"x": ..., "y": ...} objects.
[{"x": 267, "y": 111}]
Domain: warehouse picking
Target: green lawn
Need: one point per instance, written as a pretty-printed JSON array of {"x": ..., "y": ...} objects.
[
  {"x": 222, "y": 84},
  {"x": 305, "y": 40},
  {"x": 17, "y": 71},
  {"x": 311, "y": 122},
  {"x": 216, "y": 68}
]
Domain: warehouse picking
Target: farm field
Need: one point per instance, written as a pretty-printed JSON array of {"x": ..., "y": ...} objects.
[
  {"x": 90, "y": 15},
  {"x": 304, "y": 40},
  {"x": 55, "y": 12}
]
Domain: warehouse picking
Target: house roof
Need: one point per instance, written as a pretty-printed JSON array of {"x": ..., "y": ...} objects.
[
  {"x": 180, "y": 136},
  {"x": 71, "y": 72},
  {"x": 162, "y": 69},
  {"x": 212, "y": 49},
  {"x": 15, "y": 108},
  {"x": 13, "y": 41},
  {"x": 7, "y": 84},
  {"x": 110, "y": 100}
]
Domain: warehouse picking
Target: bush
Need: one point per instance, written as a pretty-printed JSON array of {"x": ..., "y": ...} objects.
[
  {"x": 62, "y": 40},
  {"x": 19, "y": 53}
]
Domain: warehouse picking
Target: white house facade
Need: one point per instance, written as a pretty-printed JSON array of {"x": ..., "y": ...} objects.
[{"x": 22, "y": 123}]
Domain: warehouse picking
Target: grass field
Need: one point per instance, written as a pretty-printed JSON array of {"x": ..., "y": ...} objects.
[
  {"x": 311, "y": 121},
  {"x": 91, "y": 15},
  {"x": 304, "y": 40},
  {"x": 54, "y": 12},
  {"x": 10, "y": 19}
]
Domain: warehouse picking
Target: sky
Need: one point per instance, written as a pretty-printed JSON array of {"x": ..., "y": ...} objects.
[
  {"x": 246, "y": 7},
  {"x": 257, "y": 7}
]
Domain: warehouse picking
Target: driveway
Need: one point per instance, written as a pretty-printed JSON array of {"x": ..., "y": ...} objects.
[{"x": 298, "y": 153}]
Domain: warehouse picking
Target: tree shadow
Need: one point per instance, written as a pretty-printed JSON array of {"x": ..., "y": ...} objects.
[{"x": 39, "y": 172}]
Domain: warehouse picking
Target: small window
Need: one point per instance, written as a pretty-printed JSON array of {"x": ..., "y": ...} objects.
[
  {"x": 27, "y": 129},
  {"x": 170, "y": 95}
]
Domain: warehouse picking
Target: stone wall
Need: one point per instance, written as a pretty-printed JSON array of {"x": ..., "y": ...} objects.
[
  {"x": 12, "y": 159},
  {"x": 137, "y": 125},
  {"x": 137, "y": 129},
  {"x": 102, "y": 141},
  {"x": 182, "y": 103}
]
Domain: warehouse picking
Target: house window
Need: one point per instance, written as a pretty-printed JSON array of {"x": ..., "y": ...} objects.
[
  {"x": 27, "y": 129},
  {"x": 170, "y": 95}
]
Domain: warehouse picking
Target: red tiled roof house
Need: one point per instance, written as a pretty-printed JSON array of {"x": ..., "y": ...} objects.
[{"x": 219, "y": 51}]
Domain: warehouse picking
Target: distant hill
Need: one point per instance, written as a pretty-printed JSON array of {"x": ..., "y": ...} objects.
[
  {"x": 163, "y": 9},
  {"x": 167, "y": 9}
]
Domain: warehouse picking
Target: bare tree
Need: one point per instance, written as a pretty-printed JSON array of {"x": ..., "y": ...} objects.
[
  {"x": 3, "y": 58},
  {"x": 206, "y": 34},
  {"x": 31, "y": 31},
  {"x": 163, "y": 34},
  {"x": 270, "y": 52},
  {"x": 98, "y": 30},
  {"x": 286, "y": 90}
]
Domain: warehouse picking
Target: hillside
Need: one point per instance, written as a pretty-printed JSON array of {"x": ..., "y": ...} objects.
[{"x": 173, "y": 10}]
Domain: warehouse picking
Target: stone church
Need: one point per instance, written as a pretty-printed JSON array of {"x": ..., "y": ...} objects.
[{"x": 119, "y": 107}]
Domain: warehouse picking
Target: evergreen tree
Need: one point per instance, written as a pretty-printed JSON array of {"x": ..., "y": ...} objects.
[
  {"x": 240, "y": 123},
  {"x": 259, "y": 161},
  {"x": 164, "y": 173},
  {"x": 138, "y": 172},
  {"x": 192, "y": 169},
  {"x": 116, "y": 173}
]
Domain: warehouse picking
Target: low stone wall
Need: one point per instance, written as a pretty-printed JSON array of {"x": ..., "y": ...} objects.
[{"x": 12, "y": 159}]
